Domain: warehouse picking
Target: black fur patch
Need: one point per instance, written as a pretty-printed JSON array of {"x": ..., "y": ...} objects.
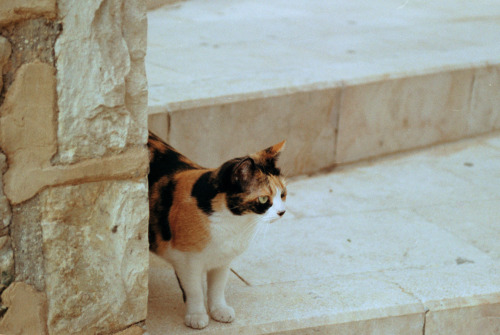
[
  {"x": 182, "y": 289},
  {"x": 224, "y": 179},
  {"x": 162, "y": 210},
  {"x": 238, "y": 207},
  {"x": 259, "y": 208},
  {"x": 234, "y": 205},
  {"x": 165, "y": 164},
  {"x": 204, "y": 191},
  {"x": 152, "y": 238},
  {"x": 270, "y": 169}
]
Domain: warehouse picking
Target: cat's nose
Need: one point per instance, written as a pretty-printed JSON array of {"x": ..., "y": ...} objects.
[{"x": 281, "y": 213}]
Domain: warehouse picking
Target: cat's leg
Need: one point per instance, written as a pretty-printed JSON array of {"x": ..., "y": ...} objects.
[
  {"x": 219, "y": 310},
  {"x": 190, "y": 278}
]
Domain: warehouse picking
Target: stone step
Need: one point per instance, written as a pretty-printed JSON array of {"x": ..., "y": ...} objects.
[
  {"x": 341, "y": 81},
  {"x": 406, "y": 246}
]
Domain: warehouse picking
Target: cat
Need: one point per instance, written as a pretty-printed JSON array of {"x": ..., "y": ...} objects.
[{"x": 201, "y": 219}]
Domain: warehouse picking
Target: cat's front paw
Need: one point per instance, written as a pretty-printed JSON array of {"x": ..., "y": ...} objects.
[
  {"x": 222, "y": 314},
  {"x": 196, "y": 320}
]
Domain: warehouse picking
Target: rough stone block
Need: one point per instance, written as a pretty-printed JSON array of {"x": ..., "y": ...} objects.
[
  {"x": 95, "y": 248},
  {"x": 5, "y": 51},
  {"x": 134, "y": 330},
  {"x": 93, "y": 254},
  {"x": 30, "y": 41},
  {"x": 15, "y": 10},
  {"x": 27, "y": 310},
  {"x": 28, "y": 137},
  {"x": 5, "y": 212},
  {"x": 6, "y": 261},
  {"x": 101, "y": 81},
  {"x": 26, "y": 235}
]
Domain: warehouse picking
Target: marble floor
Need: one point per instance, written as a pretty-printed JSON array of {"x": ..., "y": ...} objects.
[
  {"x": 406, "y": 244},
  {"x": 200, "y": 49}
]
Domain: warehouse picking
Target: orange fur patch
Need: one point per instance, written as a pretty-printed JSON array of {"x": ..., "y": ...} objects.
[
  {"x": 219, "y": 202},
  {"x": 189, "y": 225}
]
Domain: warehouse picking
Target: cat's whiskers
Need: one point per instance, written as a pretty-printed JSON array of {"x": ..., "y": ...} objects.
[{"x": 262, "y": 224}]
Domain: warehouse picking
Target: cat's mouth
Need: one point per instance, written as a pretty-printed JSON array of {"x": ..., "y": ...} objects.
[{"x": 274, "y": 219}]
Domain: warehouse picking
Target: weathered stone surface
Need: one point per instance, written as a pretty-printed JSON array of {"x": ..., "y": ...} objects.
[
  {"x": 86, "y": 246},
  {"x": 15, "y": 10},
  {"x": 27, "y": 310},
  {"x": 30, "y": 41},
  {"x": 95, "y": 249},
  {"x": 26, "y": 235},
  {"x": 134, "y": 330},
  {"x": 154, "y": 4},
  {"x": 101, "y": 81},
  {"x": 5, "y": 213},
  {"x": 6, "y": 261},
  {"x": 27, "y": 131},
  {"x": 5, "y": 51},
  {"x": 28, "y": 137}
]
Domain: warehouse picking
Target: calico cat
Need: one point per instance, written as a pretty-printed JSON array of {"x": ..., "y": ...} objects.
[{"x": 201, "y": 219}]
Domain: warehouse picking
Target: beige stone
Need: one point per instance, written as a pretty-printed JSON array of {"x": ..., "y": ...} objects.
[
  {"x": 27, "y": 310},
  {"x": 307, "y": 120},
  {"x": 461, "y": 298},
  {"x": 5, "y": 211},
  {"x": 15, "y": 10},
  {"x": 483, "y": 318},
  {"x": 154, "y": 4},
  {"x": 29, "y": 108},
  {"x": 395, "y": 115},
  {"x": 134, "y": 330},
  {"x": 6, "y": 261},
  {"x": 95, "y": 249},
  {"x": 30, "y": 40},
  {"x": 485, "y": 104},
  {"x": 159, "y": 124},
  {"x": 5, "y": 51},
  {"x": 26, "y": 235},
  {"x": 101, "y": 81},
  {"x": 340, "y": 304}
]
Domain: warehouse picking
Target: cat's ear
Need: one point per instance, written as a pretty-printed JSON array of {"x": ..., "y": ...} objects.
[
  {"x": 275, "y": 150},
  {"x": 268, "y": 157},
  {"x": 243, "y": 172}
]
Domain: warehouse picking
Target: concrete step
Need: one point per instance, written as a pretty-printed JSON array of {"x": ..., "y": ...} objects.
[
  {"x": 342, "y": 81},
  {"x": 408, "y": 245}
]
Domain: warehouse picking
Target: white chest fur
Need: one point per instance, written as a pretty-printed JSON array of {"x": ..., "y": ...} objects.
[{"x": 230, "y": 236}]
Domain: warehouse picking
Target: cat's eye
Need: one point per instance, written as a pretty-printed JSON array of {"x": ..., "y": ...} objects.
[{"x": 263, "y": 199}]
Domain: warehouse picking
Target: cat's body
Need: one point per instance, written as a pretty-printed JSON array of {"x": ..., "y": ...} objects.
[{"x": 201, "y": 219}]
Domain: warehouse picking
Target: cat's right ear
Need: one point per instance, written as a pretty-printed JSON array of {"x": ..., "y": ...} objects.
[{"x": 243, "y": 172}]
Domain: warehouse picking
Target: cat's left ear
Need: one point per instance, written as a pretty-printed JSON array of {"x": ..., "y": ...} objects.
[
  {"x": 275, "y": 150},
  {"x": 269, "y": 156}
]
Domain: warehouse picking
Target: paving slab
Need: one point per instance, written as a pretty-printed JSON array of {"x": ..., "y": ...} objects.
[
  {"x": 199, "y": 51},
  {"x": 441, "y": 175},
  {"x": 420, "y": 255}
]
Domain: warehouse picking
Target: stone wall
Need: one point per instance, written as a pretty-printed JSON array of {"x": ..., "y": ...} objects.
[{"x": 73, "y": 196}]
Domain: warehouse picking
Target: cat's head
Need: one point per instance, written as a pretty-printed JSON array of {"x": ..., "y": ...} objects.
[{"x": 253, "y": 184}]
